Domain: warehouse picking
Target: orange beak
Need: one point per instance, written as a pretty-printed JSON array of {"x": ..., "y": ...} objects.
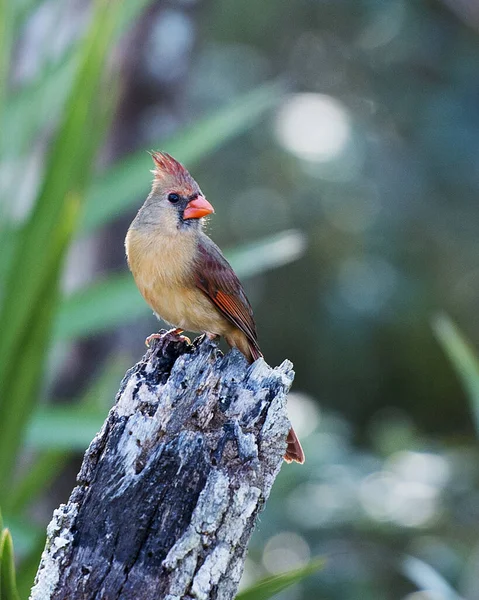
[{"x": 197, "y": 208}]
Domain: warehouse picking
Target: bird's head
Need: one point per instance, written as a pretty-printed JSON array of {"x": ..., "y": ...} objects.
[{"x": 176, "y": 202}]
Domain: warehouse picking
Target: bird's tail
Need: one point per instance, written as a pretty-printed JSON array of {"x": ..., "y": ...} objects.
[
  {"x": 294, "y": 451},
  {"x": 255, "y": 351}
]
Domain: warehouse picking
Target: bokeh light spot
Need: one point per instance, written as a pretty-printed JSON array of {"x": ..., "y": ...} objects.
[
  {"x": 314, "y": 127},
  {"x": 285, "y": 551}
]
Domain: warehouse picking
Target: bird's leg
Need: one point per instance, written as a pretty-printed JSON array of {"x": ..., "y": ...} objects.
[{"x": 177, "y": 331}]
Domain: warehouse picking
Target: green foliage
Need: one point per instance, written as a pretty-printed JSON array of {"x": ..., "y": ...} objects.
[
  {"x": 32, "y": 282},
  {"x": 270, "y": 586},
  {"x": 428, "y": 579},
  {"x": 463, "y": 358},
  {"x": 352, "y": 316},
  {"x": 74, "y": 96},
  {"x": 8, "y": 586}
]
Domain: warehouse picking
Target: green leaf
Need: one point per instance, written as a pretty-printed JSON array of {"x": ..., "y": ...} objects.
[
  {"x": 22, "y": 389},
  {"x": 66, "y": 176},
  {"x": 115, "y": 300},
  {"x": 463, "y": 358},
  {"x": 268, "y": 253},
  {"x": 99, "y": 307},
  {"x": 44, "y": 469},
  {"x": 37, "y": 105},
  {"x": 122, "y": 185},
  {"x": 32, "y": 283},
  {"x": 428, "y": 579},
  {"x": 270, "y": 586},
  {"x": 63, "y": 428},
  {"x": 72, "y": 427},
  {"x": 57, "y": 444},
  {"x": 7, "y": 16},
  {"x": 8, "y": 587}
]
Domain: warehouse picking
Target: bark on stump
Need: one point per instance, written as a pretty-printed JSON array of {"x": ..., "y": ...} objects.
[{"x": 170, "y": 488}]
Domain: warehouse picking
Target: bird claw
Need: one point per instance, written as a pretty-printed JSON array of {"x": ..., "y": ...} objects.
[{"x": 172, "y": 332}]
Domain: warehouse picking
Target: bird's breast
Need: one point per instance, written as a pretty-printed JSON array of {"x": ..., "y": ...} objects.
[
  {"x": 155, "y": 258},
  {"x": 163, "y": 268}
]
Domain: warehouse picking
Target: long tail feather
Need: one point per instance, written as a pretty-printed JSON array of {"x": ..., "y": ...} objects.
[
  {"x": 294, "y": 451},
  {"x": 255, "y": 351}
]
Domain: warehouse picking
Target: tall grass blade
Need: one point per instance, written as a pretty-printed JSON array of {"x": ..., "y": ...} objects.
[
  {"x": 463, "y": 358},
  {"x": 27, "y": 310},
  {"x": 41, "y": 473},
  {"x": 71, "y": 428},
  {"x": 36, "y": 104},
  {"x": 67, "y": 428},
  {"x": 8, "y": 586},
  {"x": 7, "y": 16},
  {"x": 428, "y": 579},
  {"x": 21, "y": 389},
  {"x": 269, "y": 587}
]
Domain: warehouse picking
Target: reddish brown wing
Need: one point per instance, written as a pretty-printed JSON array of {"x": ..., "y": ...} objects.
[{"x": 215, "y": 277}]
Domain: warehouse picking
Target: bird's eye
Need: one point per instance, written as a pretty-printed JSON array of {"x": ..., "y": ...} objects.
[{"x": 173, "y": 198}]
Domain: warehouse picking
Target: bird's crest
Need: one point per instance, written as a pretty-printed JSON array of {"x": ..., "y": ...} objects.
[{"x": 168, "y": 169}]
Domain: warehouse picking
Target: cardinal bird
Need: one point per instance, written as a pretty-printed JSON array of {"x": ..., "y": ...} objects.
[{"x": 183, "y": 275}]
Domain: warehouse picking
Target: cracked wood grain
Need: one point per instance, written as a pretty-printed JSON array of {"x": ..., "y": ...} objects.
[{"x": 170, "y": 488}]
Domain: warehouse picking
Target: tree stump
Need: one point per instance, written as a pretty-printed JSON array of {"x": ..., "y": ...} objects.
[{"x": 170, "y": 488}]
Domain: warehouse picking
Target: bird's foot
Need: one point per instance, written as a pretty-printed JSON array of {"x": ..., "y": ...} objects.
[{"x": 177, "y": 332}]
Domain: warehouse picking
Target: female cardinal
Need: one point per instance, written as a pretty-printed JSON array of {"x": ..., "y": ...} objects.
[{"x": 183, "y": 275}]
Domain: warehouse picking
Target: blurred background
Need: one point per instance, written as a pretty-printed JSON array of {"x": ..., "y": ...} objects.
[{"x": 339, "y": 143}]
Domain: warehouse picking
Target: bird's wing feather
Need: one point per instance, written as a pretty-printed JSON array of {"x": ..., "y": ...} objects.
[{"x": 215, "y": 277}]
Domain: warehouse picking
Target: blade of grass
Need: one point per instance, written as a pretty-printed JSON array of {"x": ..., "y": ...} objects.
[
  {"x": 32, "y": 281},
  {"x": 22, "y": 388},
  {"x": 120, "y": 186},
  {"x": 94, "y": 403},
  {"x": 8, "y": 586},
  {"x": 268, "y": 253},
  {"x": 269, "y": 587},
  {"x": 26, "y": 533},
  {"x": 67, "y": 166},
  {"x": 463, "y": 358},
  {"x": 7, "y": 17},
  {"x": 66, "y": 428},
  {"x": 38, "y": 103},
  {"x": 115, "y": 300},
  {"x": 43, "y": 471},
  {"x": 427, "y": 579},
  {"x": 37, "y": 106}
]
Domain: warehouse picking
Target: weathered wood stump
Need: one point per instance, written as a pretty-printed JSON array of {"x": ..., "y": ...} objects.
[{"x": 170, "y": 488}]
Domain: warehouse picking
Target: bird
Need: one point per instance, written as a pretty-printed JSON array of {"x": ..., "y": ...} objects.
[{"x": 183, "y": 275}]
